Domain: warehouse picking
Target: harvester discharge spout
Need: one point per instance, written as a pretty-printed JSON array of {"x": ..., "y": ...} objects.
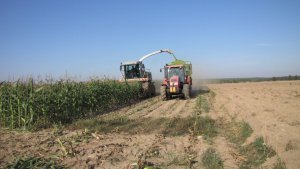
[{"x": 157, "y": 52}]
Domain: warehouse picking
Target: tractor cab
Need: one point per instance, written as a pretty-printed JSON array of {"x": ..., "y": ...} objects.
[
  {"x": 175, "y": 71},
  {"x": 174, "y": 78}
]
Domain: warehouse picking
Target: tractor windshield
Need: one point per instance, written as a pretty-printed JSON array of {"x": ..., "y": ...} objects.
[
  {"x": 176, "y": 71},
  {"x": 132, "y": 71}
]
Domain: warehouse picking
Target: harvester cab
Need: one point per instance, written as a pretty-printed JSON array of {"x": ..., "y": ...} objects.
[
  {"x": 177, "y": 80},
  {"x": 135, "y": 71}
]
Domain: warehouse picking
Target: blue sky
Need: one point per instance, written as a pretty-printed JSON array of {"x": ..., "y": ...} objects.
[{"x": 222, "y": 38}]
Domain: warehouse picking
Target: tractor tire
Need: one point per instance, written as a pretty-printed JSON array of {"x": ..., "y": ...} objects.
[
  {"x": 146, "y": 89},
  {"x": 187, "y": 91},
  {"x": 152, "y": 89},
  {"x": 163, "y": 92}
]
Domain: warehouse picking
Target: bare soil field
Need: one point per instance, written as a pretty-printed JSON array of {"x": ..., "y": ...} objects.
[
  {"x": 271, "y": 108},
  {"x": 192, "y": 133}
]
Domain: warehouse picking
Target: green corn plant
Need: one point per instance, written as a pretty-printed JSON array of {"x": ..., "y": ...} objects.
[{"x": 24, "y": 102}]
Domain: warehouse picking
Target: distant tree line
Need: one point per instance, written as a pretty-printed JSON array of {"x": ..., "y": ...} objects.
[
  {"x": 290, "y": 77},
  {"x": 253, "y": 79}
]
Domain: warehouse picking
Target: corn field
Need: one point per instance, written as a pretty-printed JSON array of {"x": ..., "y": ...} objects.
[{"x": 24, "y": 103}]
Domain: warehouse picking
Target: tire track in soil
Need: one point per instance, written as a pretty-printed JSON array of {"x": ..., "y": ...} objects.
[
  {"x": 169, "y": 108},
  {"x": 228, "y": 152},
  {"x": 146, "y": 109},
  {"x": 140, "y": 106},
  {"x": 177, "y": 109},
  {"x": 149, "y": 109},
  {"x": 133, "y": 109},
  {"x": 163, "y": 109},
  {"x": 156, "y": 108},
  {"x": 183, "y": 109}
]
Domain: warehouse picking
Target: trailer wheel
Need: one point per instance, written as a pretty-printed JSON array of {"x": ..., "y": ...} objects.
[
  {"x": 186, "y": 91},
  {"x": 163, "y": 93}
]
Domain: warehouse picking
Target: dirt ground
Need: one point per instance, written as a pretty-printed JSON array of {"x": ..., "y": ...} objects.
[{"x": 271, "y": 108}]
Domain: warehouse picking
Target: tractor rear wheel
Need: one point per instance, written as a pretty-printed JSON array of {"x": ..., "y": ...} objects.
[
  {"x": 163, "y": 93},
  {"x": 186, "y": 91}
]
